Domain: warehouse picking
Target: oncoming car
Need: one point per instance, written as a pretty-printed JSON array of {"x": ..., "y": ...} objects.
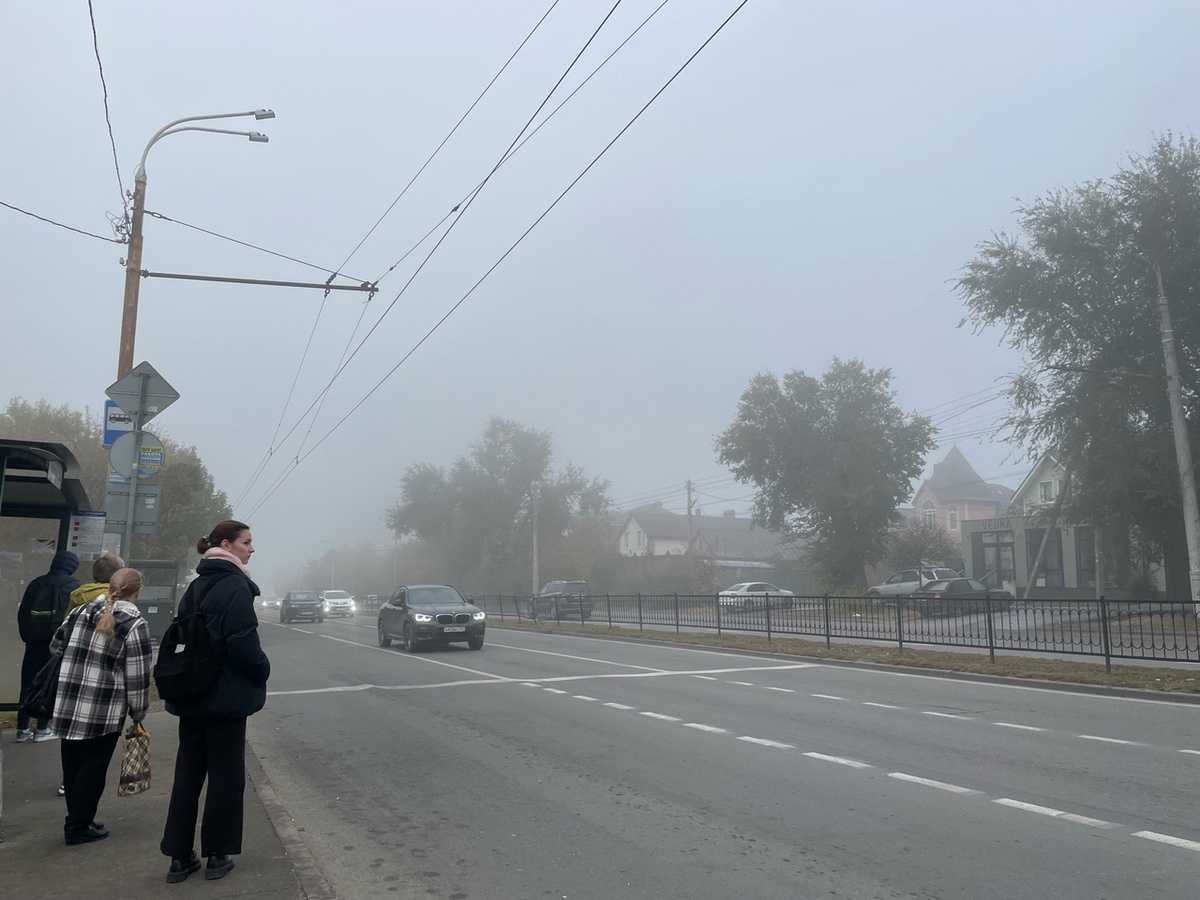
[
  {"x": 338, "y": 603},
  {"x": 301, "y": 605},
  {"x": 430, "y": 613}
]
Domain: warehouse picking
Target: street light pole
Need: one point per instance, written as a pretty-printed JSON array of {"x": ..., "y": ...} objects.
[{"x": 133, "y": 259}]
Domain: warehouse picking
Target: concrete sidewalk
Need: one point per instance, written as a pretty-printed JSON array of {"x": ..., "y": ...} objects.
[{"x": 36, "y": 863}]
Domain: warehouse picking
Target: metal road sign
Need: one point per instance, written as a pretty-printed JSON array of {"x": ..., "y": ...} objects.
[
  {"x": 150, "y": 460},
  {"x": 128, "y": 391},
  {"x": 116, "y": 422}
]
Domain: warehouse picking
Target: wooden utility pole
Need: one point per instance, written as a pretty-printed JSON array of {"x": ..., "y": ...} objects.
[
  {"x": 1183, "y": 448},
  {"x": 533, "y": 503},
  {"x": 133, "y": 276},
  {"x": 691, "y": 503}
]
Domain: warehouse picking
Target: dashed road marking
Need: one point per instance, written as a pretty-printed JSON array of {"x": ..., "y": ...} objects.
[
  {"x": 585, "y": 698},
  {"x": 1192, "y": 752},
  {"x": 607, "y": 662},
  {"x": 659, "y": 716},
  {"x": 881, "y": 705},
  {"x": 942, "y": 715},
  {"x": 779, "y": 689},
  {"x": 705, "y": 677},
  {"x": 929, "y": 782},
  {"x": 1168, "y": 839},
  {"x": 1108, "y": 740},
  {"x": 712, "y": 729},
  {"x": 553, "y": 691},
  {"x": 618, "y": 706},
  {"x": 840, "y": 760},
  {"x": 302, "y": 630},
  {"x": 763, "y": 742},
  {"x": 1018, "y": 727},
  {"x": 530, "y": 684},
  {"x": 743, "y": 683},
  {"x": 420, "y": 659},
  {"x": 827, "y": 696},
  {"x": 1054, "y": 813}
]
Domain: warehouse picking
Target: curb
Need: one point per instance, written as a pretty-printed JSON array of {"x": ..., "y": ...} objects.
[
  {"x": 1073, "y": 687},
  {"x": 309, "y": 877}
]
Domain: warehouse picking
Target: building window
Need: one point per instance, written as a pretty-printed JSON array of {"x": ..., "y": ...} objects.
[
  {"x": 1046, "y": 491},
  {"x": 929, "y": 515},
  {"x": 952, "y": 518}
]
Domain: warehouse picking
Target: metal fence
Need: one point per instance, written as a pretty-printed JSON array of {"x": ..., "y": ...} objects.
[{"x": 1113, "y": 629}]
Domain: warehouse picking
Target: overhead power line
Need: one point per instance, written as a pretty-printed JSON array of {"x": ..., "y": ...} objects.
[
  {"x": 445, "y": 234},
  {"x": 82, "y": 231},
  {"x": 542, "y": 124},
  {"x": 458, "y": 304},
  {"x": 108, "y": 122}
]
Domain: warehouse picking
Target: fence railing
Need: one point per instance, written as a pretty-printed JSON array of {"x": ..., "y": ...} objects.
[{"x": 1113, "y": 629}]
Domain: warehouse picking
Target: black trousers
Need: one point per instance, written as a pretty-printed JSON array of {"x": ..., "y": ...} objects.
[
  {"x": 214, "y": 749},
  {"x": 36, "y": 656},
  {"x": 85, "y": 765}
]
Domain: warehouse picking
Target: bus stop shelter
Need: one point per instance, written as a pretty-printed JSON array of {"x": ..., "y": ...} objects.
[{"x": 38, "y": 480}]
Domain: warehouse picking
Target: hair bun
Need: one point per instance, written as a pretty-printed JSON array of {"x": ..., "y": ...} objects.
[{"x": 203, "y": 546}]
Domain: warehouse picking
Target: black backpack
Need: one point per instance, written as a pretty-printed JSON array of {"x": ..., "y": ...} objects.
[
  {"x": 189, "y": 660},
  {"x": 48, "y": 608},
  {"x": 44, "y": 690}
]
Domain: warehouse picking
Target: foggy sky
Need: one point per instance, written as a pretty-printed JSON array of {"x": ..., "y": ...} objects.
[{"x": 808, "y": 188}]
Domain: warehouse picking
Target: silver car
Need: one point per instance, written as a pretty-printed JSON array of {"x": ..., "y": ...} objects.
[
  {"x": 750, "y": 594},
  {"x": 909, "y": 581}
]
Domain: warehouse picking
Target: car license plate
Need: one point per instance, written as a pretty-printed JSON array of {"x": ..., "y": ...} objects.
[{"x": 458, "y": 629}]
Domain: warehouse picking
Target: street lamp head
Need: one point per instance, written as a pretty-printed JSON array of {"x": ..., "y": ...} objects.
[
  {"x": 258, "y": 137},
  {"x": 264, "y": 114}
]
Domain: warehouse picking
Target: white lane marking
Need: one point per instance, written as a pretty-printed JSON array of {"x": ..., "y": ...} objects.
[
  {"x": 881, "y": 705},
  {"x": 705, "y": 677},
  {"x": 586, "y": 698},
  {"x": 827, "y": 696},
  {"x": 423, "y": 659},
  {"x": 553, "y": 691},
  {"x": 840, "y": 760},
  {"x": 1192, "y": 752},
  {"x": 942, "y": 715},
  {"x": 763, "y": 742},
  {"x": 1168, "y": 839},
  {"x": 781, "y": 690},
  {"x": 618, "y": 706},
  {"x": 1055, "y": 813},
  {"x": 852, "y": 669},
  {"x": 1018, "y": 727},
  {"x": 347, "y": 688},
  {"x": 929, "y": 782},
  {"x": 743, "y": 683},
  {"x": 712, "y": 729},
  {"x": 659, "y": 716},
  {"x": 706, "y": 674},
  {"x": 301, "y": 630},
  {"x": 607, "y": 662},
  {"x": 1108, "y": 740},
  {"x": 530, "y": 684}
]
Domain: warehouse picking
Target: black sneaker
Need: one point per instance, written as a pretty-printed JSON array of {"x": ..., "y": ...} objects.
[
  {"x": 93, "y": 832},
  {"x": 218, "y": 867},
  {"x": 182, "y": 868}
]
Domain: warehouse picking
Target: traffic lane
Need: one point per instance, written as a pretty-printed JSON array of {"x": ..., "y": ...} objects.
[
  {"x": 1115, "y": 783},
  {"x": 1174, "y": 723},
  {"x": 849, "y": 822},
  {"x": 412, "y": 793}
]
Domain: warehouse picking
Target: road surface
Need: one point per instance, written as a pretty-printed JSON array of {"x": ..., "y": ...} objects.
[{"x": 571, "y": 767}]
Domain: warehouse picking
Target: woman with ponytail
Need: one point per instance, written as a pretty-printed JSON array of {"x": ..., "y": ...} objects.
[
  {"x": 212, "y": 728},
  {"x": 105, "y": 675}
]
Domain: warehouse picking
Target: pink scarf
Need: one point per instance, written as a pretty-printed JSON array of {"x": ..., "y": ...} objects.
[{"x": 222, "y": 553}]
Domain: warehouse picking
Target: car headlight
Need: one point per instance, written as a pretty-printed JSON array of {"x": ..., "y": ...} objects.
[
  {"x": 422, "y": 617},
  {"x": 353, "y": 606},
  {"x": 480, "y": 616}
]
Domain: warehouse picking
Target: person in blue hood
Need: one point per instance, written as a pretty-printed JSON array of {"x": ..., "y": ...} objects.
[{"x": 43, "y": 606}]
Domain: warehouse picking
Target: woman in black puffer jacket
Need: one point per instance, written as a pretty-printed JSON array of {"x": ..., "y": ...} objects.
[{"x": 212, "y": 729}]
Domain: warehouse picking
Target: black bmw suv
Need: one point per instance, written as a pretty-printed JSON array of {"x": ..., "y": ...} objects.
[
  {"x": 301, "y": 605},
  {"x": 430, "y": 613}
]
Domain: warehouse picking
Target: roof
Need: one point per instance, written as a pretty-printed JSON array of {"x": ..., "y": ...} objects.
[
  {"x": 1046, "y": 459},
  {"x": 717, "y": 537},
  {"x": 955, "y": 479},
  {"x": 41, "y": 480}
]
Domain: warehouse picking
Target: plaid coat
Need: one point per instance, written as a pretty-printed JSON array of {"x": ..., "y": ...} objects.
[{"x": 101, "y": 677}]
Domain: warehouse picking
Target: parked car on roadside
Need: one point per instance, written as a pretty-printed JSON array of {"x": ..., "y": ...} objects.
[
  {"x": 562, "y": 600},
  {"x": 958, "y": 596},
  {"x": 338, "y": 603},
  {"x": 430, "y": 613},
  {"x": 301, "y": 605},
  {"x": 907, "y": 581},
  {"x": 751, "y": 594}
]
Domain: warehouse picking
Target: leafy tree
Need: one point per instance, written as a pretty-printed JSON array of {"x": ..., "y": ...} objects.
[
  {"x": 1076, "y": 292},
  {"x": 191, "y": 503},
  {"x": 920, "y": 540},
  {"x": 831, "y": 459}
]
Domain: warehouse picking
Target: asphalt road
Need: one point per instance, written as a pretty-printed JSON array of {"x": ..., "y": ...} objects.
[{"x": 570, "y": 767}]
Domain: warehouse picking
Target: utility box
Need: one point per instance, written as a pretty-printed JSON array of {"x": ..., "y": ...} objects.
[{"x": 160, "y": 593}]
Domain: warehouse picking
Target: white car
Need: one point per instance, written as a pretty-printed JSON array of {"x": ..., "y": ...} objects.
[
  {"x": 909, "y": 581},
  {"x": 338, "y": 603},
  {"x": 750, "y": 594}
]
